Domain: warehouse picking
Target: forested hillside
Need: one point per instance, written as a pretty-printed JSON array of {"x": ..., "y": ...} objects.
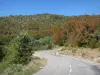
[{"x": 80, "y": 31}]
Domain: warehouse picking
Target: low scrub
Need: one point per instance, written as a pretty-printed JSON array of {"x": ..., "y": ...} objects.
[
  {"x": 29, "y": 69},
  {"x": 86, "y": 53}
]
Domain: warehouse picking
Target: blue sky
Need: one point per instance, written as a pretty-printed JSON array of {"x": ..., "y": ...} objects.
[{"x": 63, "y": 7}]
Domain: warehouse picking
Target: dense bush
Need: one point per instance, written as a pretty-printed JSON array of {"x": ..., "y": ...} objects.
[
  {"x": 25, "y": 50},
  {"x": 4, "y": 40},
  {"x": 45, "y": 43},
  {"x": 19, "y": 50}
]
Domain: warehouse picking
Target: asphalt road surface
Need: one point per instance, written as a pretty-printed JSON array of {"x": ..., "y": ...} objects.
[{"x": 66, "y": 65}]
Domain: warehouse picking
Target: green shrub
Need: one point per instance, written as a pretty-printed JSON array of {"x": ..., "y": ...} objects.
[
  {"x": 45, "y": 43},
  {"x": 12, "y": 54},
  {"x": 25, "y": 50},
  {"x": 4, "y": 40},
  {"x": 19, "y": 50}
]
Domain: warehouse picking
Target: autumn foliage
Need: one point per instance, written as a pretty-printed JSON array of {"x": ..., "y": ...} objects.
[{"x": 81, "y": 30}]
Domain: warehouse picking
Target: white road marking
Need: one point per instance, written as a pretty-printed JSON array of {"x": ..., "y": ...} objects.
[
  {"x": 70, "y": 70},
  {"x": 70, "y": 66}
]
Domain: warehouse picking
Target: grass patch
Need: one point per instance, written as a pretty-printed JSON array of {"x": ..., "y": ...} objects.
[{"x": 18, "y": 69}]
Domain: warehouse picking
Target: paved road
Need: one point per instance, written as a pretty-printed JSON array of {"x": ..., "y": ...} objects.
[{"x": 65, "y": 65}]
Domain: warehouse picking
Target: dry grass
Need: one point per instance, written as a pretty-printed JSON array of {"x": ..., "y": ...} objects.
[
  {"x": 86, "y": 53},
  {"x": 17, "y": 69},
  {"x": 36, "y": 65}
]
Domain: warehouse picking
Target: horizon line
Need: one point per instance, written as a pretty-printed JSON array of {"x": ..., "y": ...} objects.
[{"x": 45, "y": 13}]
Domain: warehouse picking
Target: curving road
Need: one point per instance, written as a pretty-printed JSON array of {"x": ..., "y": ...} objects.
[{"x": 65, "y": 65}]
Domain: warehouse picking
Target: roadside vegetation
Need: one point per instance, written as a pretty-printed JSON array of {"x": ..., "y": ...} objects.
[
  {"x": 85, "y": 53},
  {"x": 21, "y": 35},
  {"x": 17, "y": 54}
]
